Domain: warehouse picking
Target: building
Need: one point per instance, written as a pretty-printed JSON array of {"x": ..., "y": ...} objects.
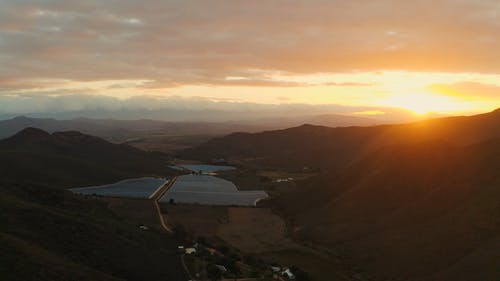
[
  {"x": 190, "y": 251},
  {"x": 288, "y": 274}
]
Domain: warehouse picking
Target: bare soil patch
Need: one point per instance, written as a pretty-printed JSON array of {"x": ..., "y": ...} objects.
[
  {"x": 198, "y": 220},
  {"x": 140, "y": 211},
  {"x": 255, "y": 230}
]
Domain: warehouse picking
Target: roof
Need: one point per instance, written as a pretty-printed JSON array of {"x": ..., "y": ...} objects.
[
  {"x": 288, "y": 273},
  {"x": 190, "y": 250},
  {"x": 221, "y": 267}
]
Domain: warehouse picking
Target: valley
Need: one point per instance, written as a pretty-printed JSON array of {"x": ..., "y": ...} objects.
[
  {"x": 167, "y": 140},
  {"x": 248, "y": 231},
  {"x": 325, "y": 203}
]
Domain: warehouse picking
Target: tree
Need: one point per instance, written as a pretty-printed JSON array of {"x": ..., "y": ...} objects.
[
  {"x": 300, "y": 275},
  {"x": 213, "y": 272}
]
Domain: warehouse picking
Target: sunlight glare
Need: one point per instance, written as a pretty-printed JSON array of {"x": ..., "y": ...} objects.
[{"x": 422, "y": 103}]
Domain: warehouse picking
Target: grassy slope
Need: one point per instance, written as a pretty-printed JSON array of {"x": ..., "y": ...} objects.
[
  {"x": 47, "y": 233},
  {"x": 423, "y": 208},
  {"x": 53, "y": 235}
]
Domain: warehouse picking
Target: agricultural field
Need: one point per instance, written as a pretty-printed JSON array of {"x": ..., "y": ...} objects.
[
  {"x": 132, "y": 188},
  {"x": 199, "y": 220},
  {"x": 254, "y": 230}
]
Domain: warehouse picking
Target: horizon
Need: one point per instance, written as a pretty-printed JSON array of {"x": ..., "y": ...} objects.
[
  {"x": 406, "y": 117},
  {"x": 357, "y": 59}
]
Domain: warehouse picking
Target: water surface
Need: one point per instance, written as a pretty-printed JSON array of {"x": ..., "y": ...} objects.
[
  {"x": 210, "y": 190},
  {"x": 132, "y": 188}
]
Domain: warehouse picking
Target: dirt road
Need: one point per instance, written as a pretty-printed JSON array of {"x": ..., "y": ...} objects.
[{"x": 156, "y": 196}]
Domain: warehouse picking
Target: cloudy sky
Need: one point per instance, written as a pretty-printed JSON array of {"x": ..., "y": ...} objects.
[{"x": 426, "y": 56}]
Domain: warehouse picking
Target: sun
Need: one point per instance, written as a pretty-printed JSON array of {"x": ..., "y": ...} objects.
[{"x": 422, "y": 103}]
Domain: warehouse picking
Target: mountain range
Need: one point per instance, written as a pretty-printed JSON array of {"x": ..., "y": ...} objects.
[
  {"x": 123, "y": 130},
  {"x": 332, "y": 148}
]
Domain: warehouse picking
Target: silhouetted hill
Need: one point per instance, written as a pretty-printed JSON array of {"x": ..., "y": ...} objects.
[
  {"x": 427, "y": 211},
  {"x": 329, "y": 120},
  {"x": 333, "y": 148},
  {"x": 122, "y": 129},
  {"x": 73, "y": 159}
]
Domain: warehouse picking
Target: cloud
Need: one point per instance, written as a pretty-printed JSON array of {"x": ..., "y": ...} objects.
[
  {"x": 370, "y": 112},
  {"x": 469, "y": 91},
  {"x": 283, "y": 98},
  {"x": 204, "y": 42},
  {"x": 229, "y": 52}
]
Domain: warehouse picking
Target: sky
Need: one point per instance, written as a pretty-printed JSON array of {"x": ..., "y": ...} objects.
[{"x": 369, "y": 56}]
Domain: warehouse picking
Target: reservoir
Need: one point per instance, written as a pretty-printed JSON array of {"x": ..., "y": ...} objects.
[
  {"x": 130, "y": 188},
  {"x": 210, "y": 190}
]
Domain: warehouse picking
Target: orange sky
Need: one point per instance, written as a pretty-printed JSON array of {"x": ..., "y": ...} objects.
[{"x": 425, "y": 56}]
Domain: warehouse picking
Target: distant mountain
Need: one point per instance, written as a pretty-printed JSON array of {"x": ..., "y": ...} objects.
[
  {"x": 73, "y": 159},
  {"x": 120, "y": 129},
  {"x": 328, "y": 120},
  {"x": 123, "y": 130},
  {"x": 328, "y": 148}
]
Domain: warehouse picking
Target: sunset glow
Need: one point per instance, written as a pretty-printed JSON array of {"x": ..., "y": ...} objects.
[
  {"x": 299, "y": 54},
  {"x": 422, "y": 103}
]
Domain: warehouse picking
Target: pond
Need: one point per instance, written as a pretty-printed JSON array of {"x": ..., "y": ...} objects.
[
  {"x": 210, "y": 190},
  {"x": 131, "y": 188}
]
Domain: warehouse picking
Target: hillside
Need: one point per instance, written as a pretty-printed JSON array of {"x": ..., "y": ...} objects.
[
  {"x": 72, "y": 159},
  {"x": 120, "y": 130},
  {"x": 48, "y": 233},
  {"x": 431, "y": 210},
  {"x": 415, "y": 201},
  {"x": 334, "y": 148}
]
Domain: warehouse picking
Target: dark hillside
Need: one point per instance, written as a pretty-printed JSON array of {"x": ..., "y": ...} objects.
[
  {"x": 429, "y": 209},
  {"x": 334, "y": 148},
  {"x": 121, "y": 130},
  {"x": 72, "y": 159},
  {"x": 417, "y": 201},
  {"x": 50, "y": 234}
]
